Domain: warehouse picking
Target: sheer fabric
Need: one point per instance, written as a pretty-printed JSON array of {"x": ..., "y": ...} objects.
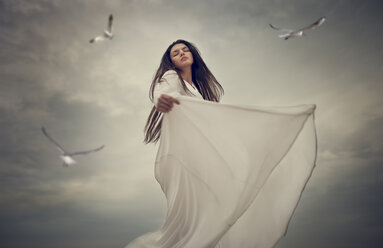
[{"x": 232, "y": 175}]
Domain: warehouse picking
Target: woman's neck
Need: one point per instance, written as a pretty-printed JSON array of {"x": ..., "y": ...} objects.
[{"x": 187, "y": 75}]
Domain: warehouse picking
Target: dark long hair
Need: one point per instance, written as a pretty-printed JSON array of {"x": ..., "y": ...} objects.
[{"x": 203, "y": 79}]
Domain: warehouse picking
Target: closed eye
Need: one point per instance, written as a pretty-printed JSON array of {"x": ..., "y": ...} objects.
[{"x": 176, "y": 52}]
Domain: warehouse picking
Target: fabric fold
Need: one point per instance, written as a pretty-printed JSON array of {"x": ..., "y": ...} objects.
[{"x": 232, "y": 175}]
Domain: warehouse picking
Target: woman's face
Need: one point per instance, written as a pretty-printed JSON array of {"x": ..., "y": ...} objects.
[{"x": 181, "y": 56}]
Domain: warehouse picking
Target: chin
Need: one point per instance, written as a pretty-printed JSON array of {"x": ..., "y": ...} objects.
[{"x": 187, "y": 63}]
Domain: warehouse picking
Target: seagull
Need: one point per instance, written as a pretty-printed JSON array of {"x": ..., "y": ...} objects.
[
  {"x": 108, "y": 33},
  {"x": 66, "y": 156},
  {"x": 288, "y": 33}
]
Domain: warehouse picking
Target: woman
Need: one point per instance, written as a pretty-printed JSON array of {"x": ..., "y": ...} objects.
[
  {"x": 232, "y": 175},
  {"x": 182, "y": 62}
]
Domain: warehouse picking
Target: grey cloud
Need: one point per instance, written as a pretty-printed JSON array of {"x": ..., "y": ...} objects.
[
  {"x": 330, "y": 218},
  {"x": 87, "y": 95}
]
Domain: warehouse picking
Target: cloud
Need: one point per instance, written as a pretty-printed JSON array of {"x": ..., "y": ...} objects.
[{"x": 90, "y": 95}]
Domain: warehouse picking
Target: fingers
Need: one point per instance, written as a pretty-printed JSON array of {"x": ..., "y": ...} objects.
[
  {"x": 168, "y": 98},
  {"x": 176, "y": 101},
  {"x": 164, "y": 107},
  {"x": 165, "y": 103}
]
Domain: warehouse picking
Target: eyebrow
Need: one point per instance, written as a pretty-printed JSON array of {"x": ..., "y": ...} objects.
[{"x": 179, "y": 49}]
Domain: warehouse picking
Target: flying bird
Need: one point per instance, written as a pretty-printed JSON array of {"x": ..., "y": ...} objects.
[
  {"x": 66, "y": 156},
  {"x": 108, "y": 33},
  {"x": 288, "y": 33}
]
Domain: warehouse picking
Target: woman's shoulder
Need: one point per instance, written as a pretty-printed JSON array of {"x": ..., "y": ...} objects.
[
  {"x": 170, "y": 73},
  {"x": 168, "y": 83},
  {"x": 169, "y": 76}
]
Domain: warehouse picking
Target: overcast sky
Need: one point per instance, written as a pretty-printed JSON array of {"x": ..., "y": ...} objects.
[{"x": 87, "y": 95}]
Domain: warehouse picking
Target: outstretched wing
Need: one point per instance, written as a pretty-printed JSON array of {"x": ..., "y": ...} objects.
[
  {"x": 97, "y": 39},
  {"x": 110, "y": 23},
  {"x": 52, "y": 140},
  {"x": 86, "y": 152},
  {"x": 319, "y": 22},
  {"x": 281, "y": 29},
  {"x": 284, "y": 36}
]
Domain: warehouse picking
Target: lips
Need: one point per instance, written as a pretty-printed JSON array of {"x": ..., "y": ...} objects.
[{"x": 184, "y": 58}]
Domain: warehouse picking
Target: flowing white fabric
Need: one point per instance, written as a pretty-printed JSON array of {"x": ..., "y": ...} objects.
[{"x": 232, "y": 175}]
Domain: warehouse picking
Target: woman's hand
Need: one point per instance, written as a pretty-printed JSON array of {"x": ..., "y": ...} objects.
[{"x": 165, "y": 103}]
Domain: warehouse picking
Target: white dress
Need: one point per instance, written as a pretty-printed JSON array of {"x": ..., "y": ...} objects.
[{"x": 232, "y": 175}]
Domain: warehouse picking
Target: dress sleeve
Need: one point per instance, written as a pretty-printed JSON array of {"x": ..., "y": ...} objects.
[{"x": 169, "y": 84}]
